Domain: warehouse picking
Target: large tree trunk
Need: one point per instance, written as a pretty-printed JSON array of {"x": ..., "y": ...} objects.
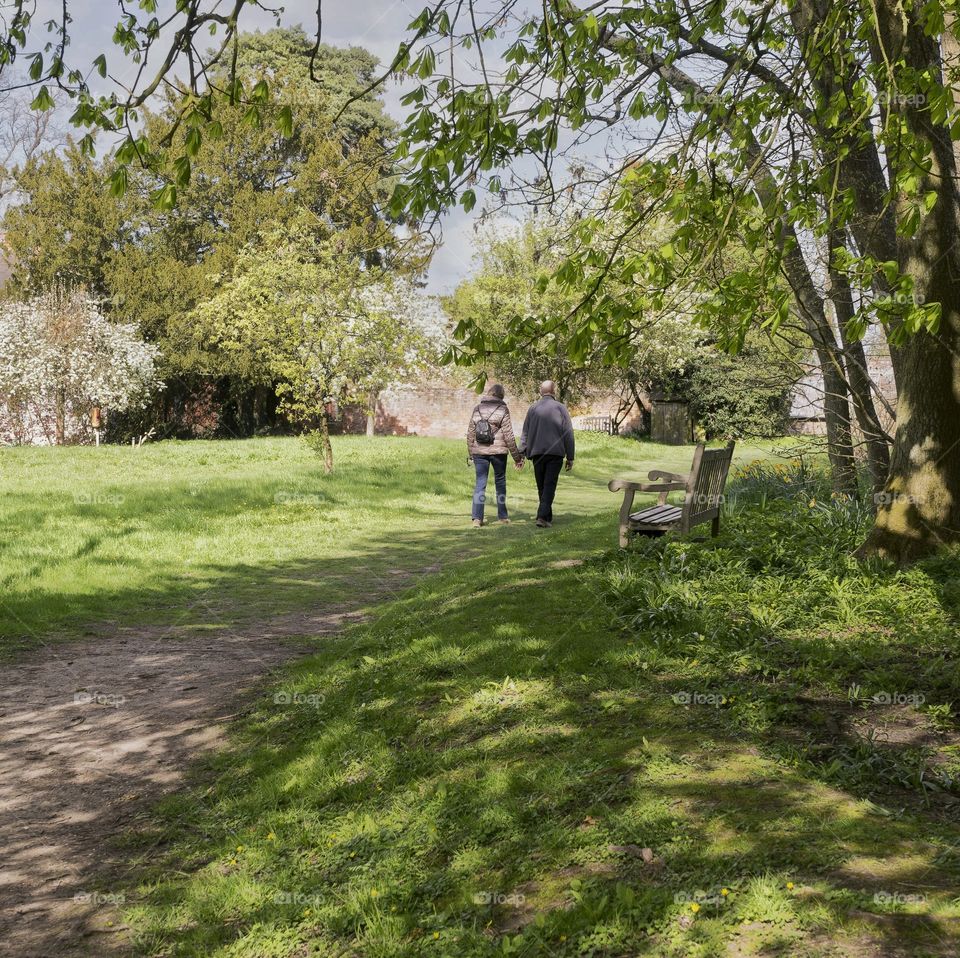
[
  {"x": 810, "y": 305},
  {"x": 858, "y": 376},
  {"x": 921, "y": 508},
  {"x": 920, "y": 503}
]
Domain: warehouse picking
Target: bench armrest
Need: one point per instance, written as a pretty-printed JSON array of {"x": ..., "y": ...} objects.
[
  {"x": 666, "y": 476},
  {"x": 615, "y": 485}
]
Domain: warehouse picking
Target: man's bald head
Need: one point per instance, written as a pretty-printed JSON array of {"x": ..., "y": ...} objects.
[{"x": 548, "y": 388}]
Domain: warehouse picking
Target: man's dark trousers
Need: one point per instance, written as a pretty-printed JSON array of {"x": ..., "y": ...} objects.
[{"x": 547, "y": 470}]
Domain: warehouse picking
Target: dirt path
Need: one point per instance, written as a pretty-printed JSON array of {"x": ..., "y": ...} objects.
[{"x": 91, "y": 734}]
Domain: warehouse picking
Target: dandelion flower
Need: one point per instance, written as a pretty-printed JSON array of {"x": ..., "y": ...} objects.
[
  {"x": 694, "y": 907},
  {"x": 790, "y": 885}
]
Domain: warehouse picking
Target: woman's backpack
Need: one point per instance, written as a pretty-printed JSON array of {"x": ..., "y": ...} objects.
[{"x": 485, "y": 430}]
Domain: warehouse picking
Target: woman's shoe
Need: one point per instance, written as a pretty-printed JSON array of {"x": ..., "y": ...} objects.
[
  {"x": 477, "y": 523},
  {"x": 504, "y": 522}
]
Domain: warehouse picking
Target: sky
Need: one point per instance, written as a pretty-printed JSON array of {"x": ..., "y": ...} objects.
[{"x": 378, "y": 25}]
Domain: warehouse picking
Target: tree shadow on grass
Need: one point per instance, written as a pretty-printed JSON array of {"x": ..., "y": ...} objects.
[{"x": 478, "y": 765}]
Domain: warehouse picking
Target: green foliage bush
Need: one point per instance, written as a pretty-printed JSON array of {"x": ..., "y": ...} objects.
[{"x": 737, "y": 396}]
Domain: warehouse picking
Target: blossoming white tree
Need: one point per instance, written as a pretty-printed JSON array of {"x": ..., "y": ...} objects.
[{"x": 59, "y": 356}]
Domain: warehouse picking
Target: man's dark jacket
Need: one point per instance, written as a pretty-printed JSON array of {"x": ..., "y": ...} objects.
[{"x": 547, "y": 430}]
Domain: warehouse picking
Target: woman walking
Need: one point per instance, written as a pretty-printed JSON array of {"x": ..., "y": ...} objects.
[{"x": 489, "y": 439}]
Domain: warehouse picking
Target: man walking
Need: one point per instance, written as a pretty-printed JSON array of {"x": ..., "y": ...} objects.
[{"x": 547, "y": 439}]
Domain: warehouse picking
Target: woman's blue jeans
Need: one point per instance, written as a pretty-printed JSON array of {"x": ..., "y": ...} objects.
[{"x": 483, "y": 464}]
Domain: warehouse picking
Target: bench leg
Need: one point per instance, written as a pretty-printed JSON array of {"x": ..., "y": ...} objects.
[
  {"x": 715, "y": 526},
  {"x": 625, "y": 517}
]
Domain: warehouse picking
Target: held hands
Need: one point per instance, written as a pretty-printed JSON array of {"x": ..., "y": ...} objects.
[{"x": 519, "y": 465}]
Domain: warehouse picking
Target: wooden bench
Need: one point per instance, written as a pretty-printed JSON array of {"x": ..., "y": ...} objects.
[{"x": 704, "y": 494}]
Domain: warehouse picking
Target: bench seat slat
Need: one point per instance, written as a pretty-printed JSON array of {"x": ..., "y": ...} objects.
[{"x": 657, "y": 515}]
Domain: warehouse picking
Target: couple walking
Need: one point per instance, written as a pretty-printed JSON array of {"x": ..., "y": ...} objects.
[{"x": 546, "y": 440}]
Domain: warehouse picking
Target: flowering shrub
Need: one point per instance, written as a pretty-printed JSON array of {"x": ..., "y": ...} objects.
[{"x": 59, "y": 356}]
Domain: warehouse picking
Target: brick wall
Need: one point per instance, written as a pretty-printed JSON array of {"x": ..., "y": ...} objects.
[
  {"x": 444, "y": 410},
  {"x": 409, "y": 410}
]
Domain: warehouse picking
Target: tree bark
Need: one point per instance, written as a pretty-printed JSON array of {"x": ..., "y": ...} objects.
[
  {"x": 921, "y": 501},
  {"x": 919, "y": 507},
  {"x": 60, "y": 414},
  {"x": 372, "y": 413},
  {"x": 858, "y": 376},
  {"x": 325, "y": 443}
]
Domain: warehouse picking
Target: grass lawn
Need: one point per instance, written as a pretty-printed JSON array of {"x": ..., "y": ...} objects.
[
  {"x": 741, "y": 746},
  {"x": 213, "y": 534}
]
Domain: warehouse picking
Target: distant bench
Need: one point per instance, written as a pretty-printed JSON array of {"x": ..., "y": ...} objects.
[{"x": 703, "y": 485}]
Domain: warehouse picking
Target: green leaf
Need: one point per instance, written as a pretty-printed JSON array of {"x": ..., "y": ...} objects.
[
  {"x": 118, "y": 182},
  {"x": 469, "y": 200},
  {"x": 165, "y": 199},
  {"x": 42, "y": 101},
  {"x": 127, "y": 151},
  {"x": 193, "y": 141},
  {"x": 101, "y": 64},
  {"x": 182, "y": 170},
  {"x": 285, "y": 121}
]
